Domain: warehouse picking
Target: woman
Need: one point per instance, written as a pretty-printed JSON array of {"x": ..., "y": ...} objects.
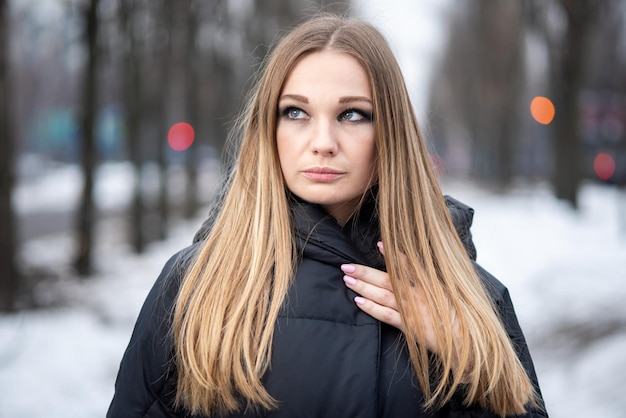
[{"x": 330, "y": 280}]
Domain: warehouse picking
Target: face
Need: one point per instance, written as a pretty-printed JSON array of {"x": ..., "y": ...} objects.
[{"x": 325, "y": 133}]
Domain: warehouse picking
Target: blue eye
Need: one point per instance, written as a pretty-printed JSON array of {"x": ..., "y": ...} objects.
[
  {"x": 355, "y": 115},
  {"x": 292, "y": 112}
]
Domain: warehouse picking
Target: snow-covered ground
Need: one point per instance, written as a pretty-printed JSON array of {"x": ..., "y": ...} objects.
[{"x": 566, "y": 271}]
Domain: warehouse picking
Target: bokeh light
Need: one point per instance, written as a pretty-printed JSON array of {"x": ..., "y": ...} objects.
[
  {"x": 180, "y": 136},
  {"x": 604, "y": 166},
  {"x": 542, "y": 110}
]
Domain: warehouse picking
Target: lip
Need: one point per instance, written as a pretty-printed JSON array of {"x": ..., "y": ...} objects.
[{"x": 322, "y": 174}]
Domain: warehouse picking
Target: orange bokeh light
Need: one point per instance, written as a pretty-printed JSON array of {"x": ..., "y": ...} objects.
[
  {"x": 180, "y": 136},
  {"x": 542, "y": 110},
  {"x": 604, "y": 166}
]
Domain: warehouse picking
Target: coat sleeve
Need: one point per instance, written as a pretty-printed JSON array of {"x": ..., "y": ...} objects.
[{"x": 146, "y": 380}]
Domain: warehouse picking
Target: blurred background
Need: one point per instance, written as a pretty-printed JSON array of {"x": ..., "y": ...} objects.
[{"x": 114, "y": 117}]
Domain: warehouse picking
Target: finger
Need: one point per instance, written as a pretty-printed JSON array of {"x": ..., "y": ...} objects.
[
  {"x": 368, "y": 274},
  {"x": 382, "y": 313},
  {"x": 381, "y": 247},
  {"x": 378, "y": 295}
]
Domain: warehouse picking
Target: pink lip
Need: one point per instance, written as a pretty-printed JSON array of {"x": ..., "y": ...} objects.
[{"x": 322, "y": 173}]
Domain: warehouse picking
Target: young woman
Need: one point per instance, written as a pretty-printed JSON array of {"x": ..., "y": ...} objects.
[{"x": 333, "y": 279}]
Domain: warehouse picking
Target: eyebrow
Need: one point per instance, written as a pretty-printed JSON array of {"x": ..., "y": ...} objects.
[
  {"x": 295, "y": 97},
  {"x": 350, "y": 99},
  {"x": 346, "y": 99}
]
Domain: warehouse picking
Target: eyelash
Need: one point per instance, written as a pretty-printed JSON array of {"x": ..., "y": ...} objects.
[
  {"x": 284, "y": 112},
  {"x": 367, "y": 116}
]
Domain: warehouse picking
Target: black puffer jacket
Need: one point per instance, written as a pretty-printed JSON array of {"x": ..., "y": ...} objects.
[{"x": 329, "y": 358}]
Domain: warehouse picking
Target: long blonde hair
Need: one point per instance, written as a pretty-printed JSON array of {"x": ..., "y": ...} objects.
[{"x": 230, "y": 298}]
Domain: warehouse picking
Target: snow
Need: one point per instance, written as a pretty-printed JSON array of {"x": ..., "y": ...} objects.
[
  {"x": 565, "y": 270},
  {"x": 62, "y": 361}
]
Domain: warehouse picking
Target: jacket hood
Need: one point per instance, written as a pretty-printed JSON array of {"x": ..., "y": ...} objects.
[
  {"x": 462, "y": 218},
  {"x": 311, "y": 222}
]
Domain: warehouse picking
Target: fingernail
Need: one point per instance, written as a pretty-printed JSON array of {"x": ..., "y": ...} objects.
[
  {"x": 350, "y": 281},
  {"x": 348, "y": 268},
  {"x": 379, "y": 244},
  {"x": 359, "y": 300}
]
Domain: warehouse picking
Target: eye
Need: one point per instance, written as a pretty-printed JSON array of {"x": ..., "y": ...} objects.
[
  {"x": 292, "y": 112},
  {"x": 355, "y": 115}
]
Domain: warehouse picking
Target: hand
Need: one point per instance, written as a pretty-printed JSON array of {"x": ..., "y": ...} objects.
[{"x": 376, "y": 298}]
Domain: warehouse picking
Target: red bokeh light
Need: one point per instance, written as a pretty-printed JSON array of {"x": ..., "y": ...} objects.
[
  {"x": 604, "y": 166},
  {"x": 180, "y": 136}
]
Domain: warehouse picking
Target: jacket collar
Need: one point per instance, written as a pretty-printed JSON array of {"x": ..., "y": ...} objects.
[
  {"x": 356, "y": 241},
  {"x": 320, "y": 237}
]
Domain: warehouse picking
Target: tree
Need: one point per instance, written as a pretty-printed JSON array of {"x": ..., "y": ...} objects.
[
  {"x": 567, "y": 81},
  {"x": 9, "y": 280},
  {"x": 86, "y": 214},
  {"x": 569, "y": 51},
  {"x": 479, "y": 87},
  {"x": 164, "y": 57},
  {"x": 191, "y": 99},
  {"x": 501, "y": 77},
  {"x": 132, "y": 94}
]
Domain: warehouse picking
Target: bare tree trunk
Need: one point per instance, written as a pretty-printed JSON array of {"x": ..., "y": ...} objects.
[
  {"x": 499, "y": 57},
  {"x": 479, "y": 85},
  {"x": 567, "y": 80},
  {"x": 131, "y": 81},
  {"x": 512, "y": 78},
  {"x": 222, "y": 75},
  {"x": 9, "y": 279},
  {"x": 86, "y": 214},
  {"x": 166, "y": 64},
  {"x": 191, "y": 99}
]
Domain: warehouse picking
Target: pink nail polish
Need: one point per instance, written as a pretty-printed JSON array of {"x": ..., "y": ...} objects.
[
  {"x": 348, "y": 268},
  {"x": 359, "y": 300},
  {"x": 350, "y": 281}
]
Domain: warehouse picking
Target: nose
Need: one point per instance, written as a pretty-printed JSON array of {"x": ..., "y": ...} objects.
[{"x": 324, "y": 139}]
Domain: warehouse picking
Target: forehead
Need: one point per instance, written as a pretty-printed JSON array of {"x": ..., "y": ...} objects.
[{"x": 328, "y": 68}]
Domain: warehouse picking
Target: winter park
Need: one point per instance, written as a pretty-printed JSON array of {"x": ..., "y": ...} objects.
[{"x": 113, "y": 119}]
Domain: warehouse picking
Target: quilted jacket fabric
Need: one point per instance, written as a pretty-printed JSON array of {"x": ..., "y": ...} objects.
[{"x": 329, "y": 358}]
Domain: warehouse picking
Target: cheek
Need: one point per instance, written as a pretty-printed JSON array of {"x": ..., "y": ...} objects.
[
  {"x": 289, "y": 142},
  {"x": 367, "y": 159}
]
